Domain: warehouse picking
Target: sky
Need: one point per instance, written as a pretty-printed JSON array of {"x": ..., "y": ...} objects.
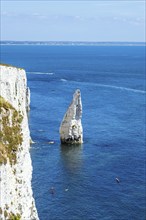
[{"x": 73, "y": 20}]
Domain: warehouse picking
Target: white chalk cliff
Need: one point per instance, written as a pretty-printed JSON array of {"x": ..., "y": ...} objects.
[
  {"x": 71, "y": 131},
  {"x": 16, "y": 197}
]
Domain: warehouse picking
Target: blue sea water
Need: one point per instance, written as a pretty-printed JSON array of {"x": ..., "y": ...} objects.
[{"x": 112, "y": 84}]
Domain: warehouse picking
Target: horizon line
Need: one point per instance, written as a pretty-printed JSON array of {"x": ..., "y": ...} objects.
[{"x": 76, "y": 41}]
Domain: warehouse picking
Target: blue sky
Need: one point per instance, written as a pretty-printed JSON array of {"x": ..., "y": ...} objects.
[{"x": 73, "y": 20}]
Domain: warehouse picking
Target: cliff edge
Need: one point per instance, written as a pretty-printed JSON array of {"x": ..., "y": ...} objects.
[{"x": 16, "y": 197}]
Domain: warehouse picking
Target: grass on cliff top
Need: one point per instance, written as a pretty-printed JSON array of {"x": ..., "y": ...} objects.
[
  {"x": 10, "y": 132},
  {"x": 9, "y": 65}
]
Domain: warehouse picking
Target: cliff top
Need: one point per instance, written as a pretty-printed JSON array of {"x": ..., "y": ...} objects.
[{"x": 9, "y": 65}]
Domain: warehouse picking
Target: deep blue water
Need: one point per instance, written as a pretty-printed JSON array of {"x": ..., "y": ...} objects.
[{"x": 112, "y": 84}]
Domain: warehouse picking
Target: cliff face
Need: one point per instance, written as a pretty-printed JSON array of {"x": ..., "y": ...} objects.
[
  {"x": 71, "y": 131},
  {"x": 16, "y": 199}
]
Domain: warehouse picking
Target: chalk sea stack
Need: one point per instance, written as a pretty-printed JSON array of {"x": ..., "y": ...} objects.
[{"x": 71, "y": 131}]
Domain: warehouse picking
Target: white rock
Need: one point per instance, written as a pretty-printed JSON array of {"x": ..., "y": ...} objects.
[
  {"x": 71, "y": 131},
  {"x": 15, "y": 186}
]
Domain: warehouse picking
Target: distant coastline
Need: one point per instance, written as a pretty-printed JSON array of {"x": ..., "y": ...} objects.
[{"x": 72, "y": 43}]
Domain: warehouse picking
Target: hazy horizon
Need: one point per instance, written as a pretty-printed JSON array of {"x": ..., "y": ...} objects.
[
  {"x": 90, "y": 21},
  {"x": 74, "y": 41}
]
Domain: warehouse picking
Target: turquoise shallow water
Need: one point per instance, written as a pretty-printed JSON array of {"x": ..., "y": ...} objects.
[{"x": 112, "y": 84}]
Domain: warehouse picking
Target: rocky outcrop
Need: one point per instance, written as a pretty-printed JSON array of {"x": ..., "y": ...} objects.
[
  {"x": 16, "y": 197},
  {"x": 71, "y": 131}
]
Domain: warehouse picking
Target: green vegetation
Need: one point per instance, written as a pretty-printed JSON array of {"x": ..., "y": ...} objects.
[
  {"x": 12, "y": 216},
  {"x": 10, "y": 132},
  {"x": 1, "y": 211},
  {"x": 8, "y": 65},
  {"x": 5, "y": 214},
  {"x": 4, "y": 104}
]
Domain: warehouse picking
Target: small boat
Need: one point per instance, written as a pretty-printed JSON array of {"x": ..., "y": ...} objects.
[{"x": 117, "y": 179}]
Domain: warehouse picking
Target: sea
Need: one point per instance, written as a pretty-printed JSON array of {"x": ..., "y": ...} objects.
[{"x": 79, "y": 182}]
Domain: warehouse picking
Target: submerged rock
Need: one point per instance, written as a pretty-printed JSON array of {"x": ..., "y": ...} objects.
[{"x": 71, "y": 131}]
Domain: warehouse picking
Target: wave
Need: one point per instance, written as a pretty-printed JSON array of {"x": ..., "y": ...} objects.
[
  {"x": 63, "y": 80},
  {"x": 41, "y": 73},
  {"x": 112, "y": 87},
  {"x": 94, "y": 84},
  {"x": 122, "y": 88}
]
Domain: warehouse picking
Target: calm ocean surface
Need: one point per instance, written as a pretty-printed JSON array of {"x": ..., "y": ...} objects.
[{"x": 111, "y": 80}]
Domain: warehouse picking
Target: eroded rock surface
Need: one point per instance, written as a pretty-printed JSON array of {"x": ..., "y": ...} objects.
[
  {"x": 71, "y": 131},
  {"x": 16, "y": 196}
]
